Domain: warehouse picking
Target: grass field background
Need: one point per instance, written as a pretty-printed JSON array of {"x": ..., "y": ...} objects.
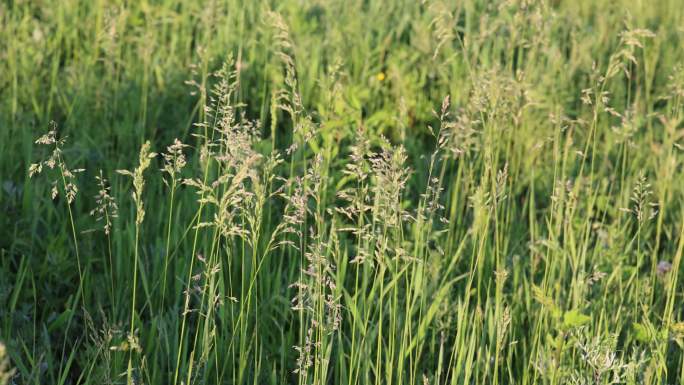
[{"x": 341, "y": 192}]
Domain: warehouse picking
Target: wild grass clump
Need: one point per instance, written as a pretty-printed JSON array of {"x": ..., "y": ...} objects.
[{"x": 341, "y": 193}]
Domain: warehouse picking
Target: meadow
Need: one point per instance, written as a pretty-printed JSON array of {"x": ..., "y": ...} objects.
[{"x": 341, "y": 192}]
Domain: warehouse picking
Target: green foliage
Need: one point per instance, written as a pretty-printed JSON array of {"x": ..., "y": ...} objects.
[
  {"x": 341, "y": 192},
  {"x": 575, "y": 319}
]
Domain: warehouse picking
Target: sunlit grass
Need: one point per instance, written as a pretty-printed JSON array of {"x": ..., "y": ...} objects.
[{"x": 355, "y": 192}]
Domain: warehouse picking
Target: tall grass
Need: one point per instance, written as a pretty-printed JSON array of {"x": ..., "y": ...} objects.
[{"x": 352, "y": 192}]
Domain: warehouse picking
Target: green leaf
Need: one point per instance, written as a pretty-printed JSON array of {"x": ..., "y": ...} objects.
[
  {"x": 60, "y": 321},
  {"x": 575, "y": 319},
  {"x": 641, "y": 332}
]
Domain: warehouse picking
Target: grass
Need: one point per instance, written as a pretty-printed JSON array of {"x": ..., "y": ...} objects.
[{"x": 356, "y": 192}]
